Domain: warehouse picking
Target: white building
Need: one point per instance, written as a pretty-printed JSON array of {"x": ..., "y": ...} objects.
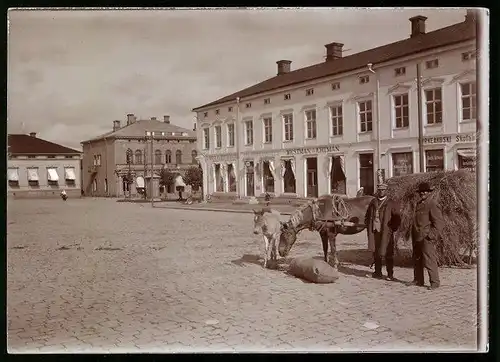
[{"x": 313, "y": 131}]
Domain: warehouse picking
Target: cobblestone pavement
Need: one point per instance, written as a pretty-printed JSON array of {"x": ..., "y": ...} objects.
[{"x": 100, "y": 276}]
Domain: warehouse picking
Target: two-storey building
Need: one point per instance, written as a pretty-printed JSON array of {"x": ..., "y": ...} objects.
[
  {"x": 39, "y": 168},
  {"x": 111, "y": 157},
  {"x": 313, "y": 131}
]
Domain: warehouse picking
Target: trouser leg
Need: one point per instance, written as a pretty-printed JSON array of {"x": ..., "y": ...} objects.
[
  {"x": 376, "y": 255},
  {"x": 430, "y": 261},
  {"x": 418, "y": 267},
  {"x": 389, "y": 257}
]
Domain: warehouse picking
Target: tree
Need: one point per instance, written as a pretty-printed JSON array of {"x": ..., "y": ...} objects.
[
  {"x": 194, "y": 177},
  {"x": 166, "y": 178}
]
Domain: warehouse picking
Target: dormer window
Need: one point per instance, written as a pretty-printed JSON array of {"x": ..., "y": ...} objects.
[
  {"x": 217, "y": 111},
  {"x": 430, "y": 64},
  {"x": 336, "y": 86},
  {"x": 267, "y": 100},
  {"x": 248, "y": 105},
  {"x": 309, "y": 92},
  {"x": 287, "y": 96},
  {"x": 364, "y": 79},
  {"x": 400, "y": 71}
]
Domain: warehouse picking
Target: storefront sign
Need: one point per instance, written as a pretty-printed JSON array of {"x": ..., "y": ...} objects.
[
  {"x": 228, "y": 157},
  {"x": 468, "y": 137},
  {"x": 471, "y": 137},
  {"x": 309, "y": 150},
  {"x": 437, "y": 139}
]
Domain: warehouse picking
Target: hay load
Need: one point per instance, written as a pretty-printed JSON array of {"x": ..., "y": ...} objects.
[{"x": 455, "y": 192}]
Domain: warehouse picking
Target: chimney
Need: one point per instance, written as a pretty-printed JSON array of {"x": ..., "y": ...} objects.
[
  {"x": 130, "y": 118},
  {"x": 166, "y": 119},
  {"x": 417, "y": 25},
  {"x": 333, "y": 51},
  {"x": 33, "y": 134},
  {"x": 471, "y": 15},
  {"x": 153, "y": 118},
  {"x": 116, "y": 126},
  {"x": 283, "y": 66}
]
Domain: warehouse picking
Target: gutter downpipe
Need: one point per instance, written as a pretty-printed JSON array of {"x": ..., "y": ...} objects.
[
  {"x": 379, "y": 162},
  {"x": 237, "y": 138},
  {"x": 420, "y": 123}
]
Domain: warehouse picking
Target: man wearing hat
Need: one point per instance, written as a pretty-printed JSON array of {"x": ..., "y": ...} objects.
[
  {"x": 427, "y": 227},
  {"x": 383, "y": 220}
]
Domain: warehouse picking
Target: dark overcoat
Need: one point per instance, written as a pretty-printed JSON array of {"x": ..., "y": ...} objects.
[
  {"x": 390, "y": 220},
  {"x": 428, "y": 223}
]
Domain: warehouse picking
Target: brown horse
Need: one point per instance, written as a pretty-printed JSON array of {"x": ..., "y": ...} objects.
[{"x": 312, "y": 216}]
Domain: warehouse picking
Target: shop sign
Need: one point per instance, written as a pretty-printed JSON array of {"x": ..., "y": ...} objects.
[
  {"x": 468, "y": 137},
  {"x": 471, "y": 137},
  {"x": 309, "y": 150},
  {"x": 437, "y": 139}
]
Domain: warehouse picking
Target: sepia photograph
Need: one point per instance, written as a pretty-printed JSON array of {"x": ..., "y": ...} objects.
[{"x": 327, "y": 168}]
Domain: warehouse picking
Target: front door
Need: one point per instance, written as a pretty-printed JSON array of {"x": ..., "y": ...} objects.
[
  {"x": 312, "y": 177},
  {"x": 366, "y": 177},
  {"x": 250, "y": 178}
]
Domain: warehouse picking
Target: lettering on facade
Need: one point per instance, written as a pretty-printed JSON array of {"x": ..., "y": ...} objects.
[
  {"x": 437, "y": 139},
  {"x": 470, "y": 137},
  {"x": 216, "y": 158},
  {"x": 308, "y": 150},
  {"x": 465, "y": 138}
]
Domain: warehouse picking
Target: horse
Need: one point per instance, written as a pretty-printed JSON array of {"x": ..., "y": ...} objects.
[
  {"x": 314, "y": 216},
  {"x": 267, "y": 222}
]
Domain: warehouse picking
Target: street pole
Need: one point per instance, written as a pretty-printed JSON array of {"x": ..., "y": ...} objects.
[
  {"x": 377, "y": 95},
  {"x": 145, "y": 165},
  {"x": 420, "y": 125},
  {"x": 152, "y": 169},
  {"x": 237, "y": 138}
]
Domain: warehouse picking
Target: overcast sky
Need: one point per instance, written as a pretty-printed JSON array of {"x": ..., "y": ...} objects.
[{"x": 71, "y": 73}]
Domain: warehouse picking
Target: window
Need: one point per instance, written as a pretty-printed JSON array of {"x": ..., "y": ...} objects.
[
  {"x": 168, "y": 157},
  {"x": 468, "y": 95},
  {"x": 311, "y": 124},
  {"x": 288, "y": 127},
  {"x": 267, "y": 100},
  {"x": 128, "y": 157},
  {"x": 33, "y": 176},
  {"x": 194, "y": 154},
  {"x": 249, "y": 133},
  {"x": 138, "y": 157},
  {"x": 158, "y": 157},
  {"x": 13, "y": 177},
  {"x": 98, "y": 160},
  {"x": 364, "y": 79},
  {"x": 335, "y": 86},
  {"x": 206, "y": 138},
  {"x": 268, "y": 130},
  {"x": 68, "y": 156},
  {"x": 51, "y": 156},
  {"x": 337, "y": 120},
  {"x": 219, "y": 180},
  {"x": 229, "y": 109},
  {"x": 231, "y": 177},
  {"x": 217, "y": 111},
  {"x": 218, "y": 136},
  {"x": 430, "y": 64},
  {"x": 287, "y": 96},
  {"x": 433, "y": 106},
  {"x": 268, "y": 172},
  {"x": 337, "y": 176},
  {"x": 288, "y": 176},
  {"x": 178, "y": 157},
  {"x": 70, "y": 176},
  {"x": 402, "y": 163},
  {"x": 434, "y": 160},
  {"x": 401, "y": 110},
  {"x": 468, "y": 56},
  {"x": 205, "y": 114},
  {"x": 400, "y": 71},
  {"x": 248, "y": 105},
  {"x": 365, "y": 116},
  {"x": 230, "y": 134},
  {"x": 467, "y": 159},
  {"x": 309, "y": 92}
]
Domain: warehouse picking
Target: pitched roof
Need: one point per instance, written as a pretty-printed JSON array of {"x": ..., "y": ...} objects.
[
  {"x": 453, "y": 34},
  {"x": 24, "y": 144},
  {"x": 139, "y": 128}
]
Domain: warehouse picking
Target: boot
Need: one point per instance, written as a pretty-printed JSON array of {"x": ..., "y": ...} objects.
[
  {"x": 389, "y": 264},
  {"x": 377, "y": 274}
]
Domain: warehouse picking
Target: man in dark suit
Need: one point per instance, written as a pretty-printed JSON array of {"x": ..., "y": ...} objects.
[
  {"x": 383, "y": 221},
  {"x": 427, "y": 228}
]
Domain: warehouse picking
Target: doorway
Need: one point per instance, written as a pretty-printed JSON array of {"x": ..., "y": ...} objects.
[
  {"x": 366, "y": 177},
  {"x": 312, "y": 176},
  {"x": 249, "y": 170},
  {"x": 337, "y": 176}
]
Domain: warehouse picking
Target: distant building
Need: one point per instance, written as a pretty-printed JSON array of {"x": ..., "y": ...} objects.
[
  {"x": 105, "y": 166},
  {"x": 39, "y": 168},
  {"x": 313, "y": 131}
]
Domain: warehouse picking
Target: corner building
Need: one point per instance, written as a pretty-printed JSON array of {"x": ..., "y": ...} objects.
[{"x": 313, "y": 131}]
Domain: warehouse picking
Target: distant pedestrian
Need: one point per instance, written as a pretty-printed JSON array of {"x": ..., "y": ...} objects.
[
  {"x": 426, "y": 230},
  {"x": 383, "y": 222}
]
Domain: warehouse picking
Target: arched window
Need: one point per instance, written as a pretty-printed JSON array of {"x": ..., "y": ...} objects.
[
  {"x": 138, "y": 157},
  {"x": 194, "y": 154},
  {"x": 168, "y": 156},
  {"x": 178, "y": 157},
  {"x": 129, "y": 156},
  {"x": 157, "y": 157}
]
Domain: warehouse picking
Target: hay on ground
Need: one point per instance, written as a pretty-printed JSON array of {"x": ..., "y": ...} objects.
[{"x": 455, "y": 192}]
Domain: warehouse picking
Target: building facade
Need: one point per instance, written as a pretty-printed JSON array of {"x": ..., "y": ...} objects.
[
  {"x": 106, "y": 164},
  {"x": 39, "y": 168},
  {"x": 313, "y": 131}
]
